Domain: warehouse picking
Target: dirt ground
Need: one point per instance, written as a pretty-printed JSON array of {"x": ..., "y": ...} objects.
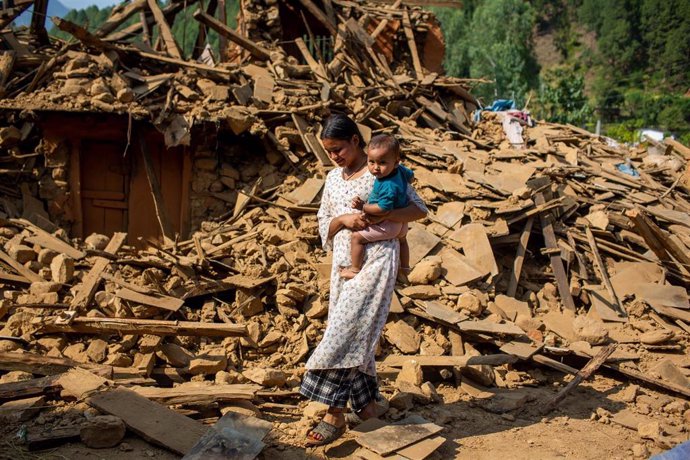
[{"x": 580, "y": 428}]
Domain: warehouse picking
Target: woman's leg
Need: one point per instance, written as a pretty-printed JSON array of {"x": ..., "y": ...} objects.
[
  {"x": 364, "y": 394},
  {"x": 331, "y": 387}
]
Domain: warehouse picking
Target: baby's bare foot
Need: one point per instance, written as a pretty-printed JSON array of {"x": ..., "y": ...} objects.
[{"x": 348, "y": 273}]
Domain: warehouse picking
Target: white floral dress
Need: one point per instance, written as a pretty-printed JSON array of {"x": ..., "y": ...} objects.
[{"x": 358, "y": 308}]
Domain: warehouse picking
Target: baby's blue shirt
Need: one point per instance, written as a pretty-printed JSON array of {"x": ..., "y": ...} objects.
[{"x": 390, "y": 192}]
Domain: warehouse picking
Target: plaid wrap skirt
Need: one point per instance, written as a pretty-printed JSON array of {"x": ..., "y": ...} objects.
[{"x": 335, "y": 387}]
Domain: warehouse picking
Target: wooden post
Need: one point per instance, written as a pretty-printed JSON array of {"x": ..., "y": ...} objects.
[
  {"x": 602, "y": 272},
  {"x": 255, "y": 50},
  {"x": 519, "y": 258}
]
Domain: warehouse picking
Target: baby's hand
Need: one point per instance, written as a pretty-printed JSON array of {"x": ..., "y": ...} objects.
[{"x": 357, "y": 203}]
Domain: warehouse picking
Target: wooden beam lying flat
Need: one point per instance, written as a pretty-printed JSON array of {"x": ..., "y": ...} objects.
[
  {"x": 152, "y": 421},
  {"x": 455, "y": 361},
  {"x": 46, "y": 365},
  {"x": 84, "y": 325}
]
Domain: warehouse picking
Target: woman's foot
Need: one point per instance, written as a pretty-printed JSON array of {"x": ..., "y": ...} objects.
[
  {"x": 371, "y": 410},
  {"x": 330, "y": 428},
  {"x": 348, "y": 272}
]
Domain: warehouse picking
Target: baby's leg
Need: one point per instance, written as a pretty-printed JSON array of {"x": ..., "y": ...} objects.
[{"x": 357, "y": 246}]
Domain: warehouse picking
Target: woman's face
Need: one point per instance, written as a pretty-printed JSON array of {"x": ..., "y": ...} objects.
[{"x": 344, "y": 153}]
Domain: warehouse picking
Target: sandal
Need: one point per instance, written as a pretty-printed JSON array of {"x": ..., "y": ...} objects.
[{"x": 328, "y": 432}]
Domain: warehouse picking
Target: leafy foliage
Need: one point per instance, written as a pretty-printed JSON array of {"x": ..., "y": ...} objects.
[{"x": 562, "y": 97}]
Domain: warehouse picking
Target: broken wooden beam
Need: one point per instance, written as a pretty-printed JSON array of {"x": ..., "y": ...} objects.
[
  {"x": 92, "y": 279},
  {"x": 119, "y": 15},
  {"x": 583, "y": 374},
  {"x": 164, "y": 30},
  {"x": 546, "y": 219},
  {"x": 603, "y": 273},
  {"x": 255, "y": 50},
  {"x": 84, "y": 325}
]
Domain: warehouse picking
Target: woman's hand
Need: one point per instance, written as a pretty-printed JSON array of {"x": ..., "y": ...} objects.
[{"x": 354, "y": 222}]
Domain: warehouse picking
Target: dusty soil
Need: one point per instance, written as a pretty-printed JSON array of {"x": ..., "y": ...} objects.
[{"x": 573, "y": 430}]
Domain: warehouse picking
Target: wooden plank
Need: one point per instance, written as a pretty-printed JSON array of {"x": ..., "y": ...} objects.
[
  {"x": 550, "y": 241},
  {"x": 92, "y": 279},
  {"x": 316, "y": 69},
  {"x": 488, "y": 327},
  {"x": 522, "y": 350},
  {"x": 664, "y": 295},
  {"x": 603, "y": 273},
  {"x": 156, "y": 192},
  {"x": 164, "y": 29},
  {"x": 307, "y": 192},
  {"x": 19, "y": 268},
  {"x": 119, "y": 15},
  {"x": 41, "y": 440},
  {"x": 84, "y": 325},
  {"x": 31, "y": 387},
  {"x": 150, "y": 420},
  {"x": 319, "y": 15},
  {"x": 394, "y": 437},
  {"x": 655, "y": 239},
  {"x": 9, "y": 278},
  {"x": 671, "y": 312},
  {"x": 443, "y": 312},
  {"x": 255, "y": 50},
  {"x": 158, "y": 301},
  {"x": 46, "y": 240},
  {"x": 583, "y": 374},
  {"x": 46, "y": 365},
  {"x": 198, "y": 393},
  {"x": 453, "y": 361},
  {"x": 409, "y": 34},
  {"x": 519, "y": 258}
]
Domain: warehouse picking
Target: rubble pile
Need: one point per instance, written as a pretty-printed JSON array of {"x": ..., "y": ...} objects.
[{"x": 545, "y": 243}]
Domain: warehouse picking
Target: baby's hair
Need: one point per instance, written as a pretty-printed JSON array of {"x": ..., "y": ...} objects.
[
  {"x": 387, "y": 142},
  {"x": 341, "y": 127}
]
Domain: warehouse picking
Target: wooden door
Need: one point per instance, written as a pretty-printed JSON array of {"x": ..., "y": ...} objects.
[
  {"x": 169, "y": 167},
  {"x": 104, "y": 176}
]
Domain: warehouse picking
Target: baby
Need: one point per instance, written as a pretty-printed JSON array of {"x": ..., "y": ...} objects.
[{"x": 389, "y": 192}]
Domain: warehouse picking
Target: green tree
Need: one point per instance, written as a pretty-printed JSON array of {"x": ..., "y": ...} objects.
[
  {"x": 562, "y": 96},
  {"x": 501, "y": 48}
]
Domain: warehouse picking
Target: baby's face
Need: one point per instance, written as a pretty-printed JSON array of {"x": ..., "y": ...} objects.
[{"x": 381, "y": 162}]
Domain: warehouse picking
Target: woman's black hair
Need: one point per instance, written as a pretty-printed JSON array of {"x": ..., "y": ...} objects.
[{"x": 341, "y": 127}]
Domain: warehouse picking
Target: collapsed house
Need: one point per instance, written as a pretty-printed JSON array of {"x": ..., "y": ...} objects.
[{"x": 158, "y": 223}]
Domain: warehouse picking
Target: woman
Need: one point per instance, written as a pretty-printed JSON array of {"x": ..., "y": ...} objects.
[{"x": 343, "y": 365}]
